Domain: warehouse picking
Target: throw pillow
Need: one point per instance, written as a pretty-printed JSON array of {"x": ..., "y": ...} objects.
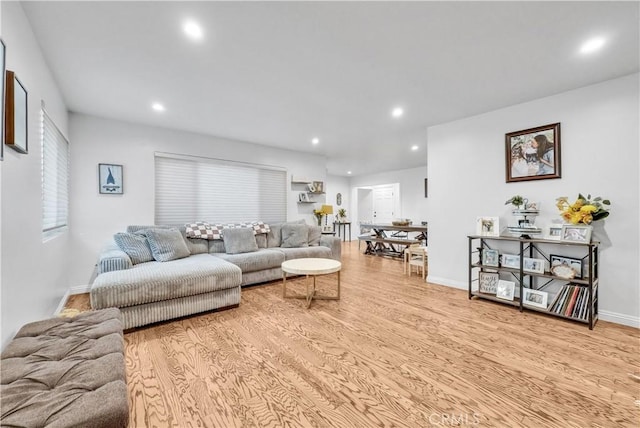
[
  {"x": 315, "y": 232},
  {"x": 167, "y": 244},
  {"x": 135, "y": 245},
  {"x": 239, "y": 240},
  {"x": 295, "y": 235},
  {"x": 274, "y": 237}
]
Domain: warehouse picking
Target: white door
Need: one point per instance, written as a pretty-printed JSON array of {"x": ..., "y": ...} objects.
[{"x": 384, "y": 199}]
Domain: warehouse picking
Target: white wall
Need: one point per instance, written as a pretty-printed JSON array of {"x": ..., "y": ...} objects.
[
  {"x": 413, "y": 204},
  {"x": 599, "y": 142},
  {"x": 95, "y": 218},
  {"x": 34, "y": 275},
  {"x": 338, "y": 184}
]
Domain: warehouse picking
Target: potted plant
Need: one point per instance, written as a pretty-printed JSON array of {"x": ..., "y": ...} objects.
[
  {"x": 517, "y": 201},
  {"x": 342, "y": 215}
]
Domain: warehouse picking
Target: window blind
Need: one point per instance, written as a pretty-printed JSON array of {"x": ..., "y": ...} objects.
[
  {"x": 192, "y": 189},
  {"x": 55, "y": 177}
]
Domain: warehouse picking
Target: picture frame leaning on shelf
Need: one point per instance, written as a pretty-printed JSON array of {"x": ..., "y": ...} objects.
[
  {"x": 506, "y": 290},
  {"x": 490, "y": 257},
  {"x": 535, "y": 298},
  {"x": 488, "y": 282}
]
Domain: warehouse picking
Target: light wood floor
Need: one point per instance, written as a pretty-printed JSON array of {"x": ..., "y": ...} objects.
[{"x": 394, "y": 351}]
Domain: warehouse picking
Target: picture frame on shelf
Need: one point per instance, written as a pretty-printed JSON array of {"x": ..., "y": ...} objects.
[
  {"x": 110, "y": 179},
  {"x": 533, "y": 265},
  {"x": 564, "y": 266},
  {"x": 535, "y": 298},
  {"x": 318, "y": 187},
  {"x": 488, "y": 226},
  {"x": 511, "y": 261},
  {"x": 490, "y": 257},
  {"x": 576, "y": 233},
  {"x": 16, "y": 105},
  {"x": 531, "y": 206},
  {"x": 303, "y": 197},
  {"x": 505, "y": 289},
  {"x": 533, "y": 154},
  {"x": 555, "y": 232},
  {"x": 488, "y": 282}
]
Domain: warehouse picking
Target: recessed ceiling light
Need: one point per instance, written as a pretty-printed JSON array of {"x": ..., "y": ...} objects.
[
  {"x": 193, "y": 30},
  {"x": 414, "y": 147},
  {"x": 397, "y": 112},
  {"x": 157, "y": 107},
  {"x": 315, "y": 140},
  {"x": 349, "y": 172},
  {"x": 592, "y": 45}
]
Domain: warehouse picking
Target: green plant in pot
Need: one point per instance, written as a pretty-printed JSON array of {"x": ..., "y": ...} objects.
[
  {"x": 517, "y": 201},
  {"x": 342, "y": 214}
]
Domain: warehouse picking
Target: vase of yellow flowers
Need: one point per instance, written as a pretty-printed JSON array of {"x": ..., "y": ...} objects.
[
  {"x": 318, "y": 214},
  {"x": 583, "y": 210}
]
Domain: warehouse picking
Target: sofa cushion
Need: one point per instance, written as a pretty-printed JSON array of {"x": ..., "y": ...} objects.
[
  {"x": 315, "y": 232},
  {"x": 239, "y": 240},
  {"x": 195, "y": 246},
  {"x": 216, "y": 246},
  {"x": 135, "y": 245},
  {"x": 261, "y": 240},
  {"x": 295, "y": 235},
  {"x": 304, "y": 252},
  {"x": 156, "y": 281},
  {"x": 274, "y": 236},
  {"x": 167, "y": 244},
  {"x": 255, "y": 261}
]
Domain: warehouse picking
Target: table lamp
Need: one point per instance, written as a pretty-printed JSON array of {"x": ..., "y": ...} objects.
[{"x": 327, "y": 209}]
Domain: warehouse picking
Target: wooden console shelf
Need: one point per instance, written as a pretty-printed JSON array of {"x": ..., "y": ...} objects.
[{"x": 574, "y": 299}]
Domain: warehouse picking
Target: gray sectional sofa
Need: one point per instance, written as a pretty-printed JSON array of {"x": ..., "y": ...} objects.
[{"x": 196, "y": 275}]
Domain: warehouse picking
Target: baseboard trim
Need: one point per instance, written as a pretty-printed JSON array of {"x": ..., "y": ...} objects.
[
  {"x": 609, "y": 316},
  {"x": 78, "y": 289},
  {"x": 619, "y": 318},
  {"x": 447, "y": 282}
]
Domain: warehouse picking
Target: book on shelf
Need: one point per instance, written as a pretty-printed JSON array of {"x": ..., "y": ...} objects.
[
  {"x": 572, "y": 301},
  {"x": 578, "y": 306}
]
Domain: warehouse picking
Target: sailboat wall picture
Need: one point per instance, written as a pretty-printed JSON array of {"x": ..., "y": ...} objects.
[{"x": 110, "y": 179}]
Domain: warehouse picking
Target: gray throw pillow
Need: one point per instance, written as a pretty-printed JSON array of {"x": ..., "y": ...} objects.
[
  {"x": 315, "y": 232},
  {"x": 239, "y": 240},
  {"x": 295, "y": 235},
  {"x": 135, "y": 245},
  {"x": 167, "y": 244},
  {"x": 274, "y": 236}
]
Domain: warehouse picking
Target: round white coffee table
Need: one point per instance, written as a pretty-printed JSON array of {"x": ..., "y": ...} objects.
[{"x": 311, "y": 268}]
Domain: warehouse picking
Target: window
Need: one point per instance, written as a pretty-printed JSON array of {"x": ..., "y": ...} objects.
[
  {"x": 190, "y": 188},
  {"x": 55, "y": 178}
]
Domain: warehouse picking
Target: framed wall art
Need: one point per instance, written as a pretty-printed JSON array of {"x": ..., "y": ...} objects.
[
  {"x": 110, "y": 179},
  {"x": 533, "y": 154},
  {"x": 3, "y": 69},
  {"x": 16, "y": 108}
]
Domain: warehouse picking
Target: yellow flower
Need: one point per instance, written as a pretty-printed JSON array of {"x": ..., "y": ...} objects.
[{"x": 584, "y": 210}]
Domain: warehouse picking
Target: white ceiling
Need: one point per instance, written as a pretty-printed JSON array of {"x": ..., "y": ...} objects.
[{"x": 280, "y": 73}]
